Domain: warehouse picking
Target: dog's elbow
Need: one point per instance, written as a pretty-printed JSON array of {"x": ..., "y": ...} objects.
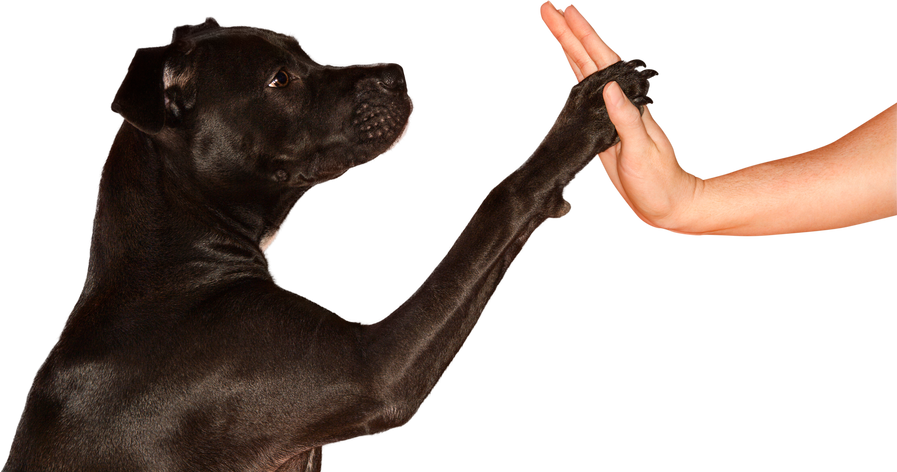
[{"x": 391, "y": 415}]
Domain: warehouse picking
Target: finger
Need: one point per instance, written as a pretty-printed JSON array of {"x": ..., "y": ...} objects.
[
  {"x": 553, "y": 22},
  {"x": 574, "y": 69},
  {"x": 571, "y": 44},
  {"x": 597, "y": 50},
  {"x": 625, "y": 117}
]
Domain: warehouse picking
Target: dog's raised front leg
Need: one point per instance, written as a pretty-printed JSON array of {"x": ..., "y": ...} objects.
[{"x": 408, "y": 351}]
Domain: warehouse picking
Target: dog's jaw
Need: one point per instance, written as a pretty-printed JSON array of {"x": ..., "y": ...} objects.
[{"x": 272, "y": 236}]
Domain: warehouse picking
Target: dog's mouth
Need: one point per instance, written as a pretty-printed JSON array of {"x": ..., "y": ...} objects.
[
  {"x": 377, "y": 123},
  {"x": 383, "y": 108},
  {"x": 373, "y": 122}
]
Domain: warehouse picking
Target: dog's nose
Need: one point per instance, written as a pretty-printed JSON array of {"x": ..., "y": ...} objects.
[{"x": 392, "y": 78}]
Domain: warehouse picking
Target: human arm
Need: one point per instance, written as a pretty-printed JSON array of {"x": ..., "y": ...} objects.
[{"x": 850, "y": 181}]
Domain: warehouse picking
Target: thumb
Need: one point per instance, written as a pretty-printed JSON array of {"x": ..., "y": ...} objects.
[{"x": 625, "y": 116}]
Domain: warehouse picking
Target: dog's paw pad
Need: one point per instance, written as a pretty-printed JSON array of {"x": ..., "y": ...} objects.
[{"x": 560, "y": 210}]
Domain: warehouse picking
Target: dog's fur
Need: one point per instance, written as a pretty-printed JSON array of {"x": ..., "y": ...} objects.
[{"x": 182, "y": 354}]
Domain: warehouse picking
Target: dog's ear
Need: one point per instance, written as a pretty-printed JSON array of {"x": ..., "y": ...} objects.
[
  {"x": 141, "y": 98},
  {"x": 206, "y": 23}
]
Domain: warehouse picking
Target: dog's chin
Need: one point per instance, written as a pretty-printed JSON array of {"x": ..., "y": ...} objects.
[
  {"x": 375, "y": 129},
  {"x": 377, "y": 142},
  {"x": 337, "y": 160}
]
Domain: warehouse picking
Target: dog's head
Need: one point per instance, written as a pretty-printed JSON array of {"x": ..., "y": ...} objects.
[{"x": 248, "y": 104}]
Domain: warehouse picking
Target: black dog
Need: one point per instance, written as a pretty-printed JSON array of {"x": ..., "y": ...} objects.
[{"x": 182, "y": 354}]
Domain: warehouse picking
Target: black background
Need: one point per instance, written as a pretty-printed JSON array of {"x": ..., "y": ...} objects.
[{"x": 609, "y": 342}]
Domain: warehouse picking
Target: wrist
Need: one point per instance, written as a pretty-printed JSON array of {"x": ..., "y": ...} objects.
[
  {"x": 687, "y": 211},
  {"x": 698, "y": 217}
]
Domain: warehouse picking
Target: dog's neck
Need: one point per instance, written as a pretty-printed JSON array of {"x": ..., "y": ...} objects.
[{"x": 139, "y": 206}]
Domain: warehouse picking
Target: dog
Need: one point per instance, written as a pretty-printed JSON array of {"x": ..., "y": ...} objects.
[{"x": 181, "y": 353}]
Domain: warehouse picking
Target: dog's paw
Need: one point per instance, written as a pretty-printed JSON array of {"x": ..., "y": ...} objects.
[
  {"x": 582, "y": 130},
  {"x": 585, "y": 113},
  {"x": 634, "y": 82}
]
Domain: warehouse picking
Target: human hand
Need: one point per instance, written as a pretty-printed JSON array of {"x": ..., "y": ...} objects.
[{"x": 642, "y": 166}]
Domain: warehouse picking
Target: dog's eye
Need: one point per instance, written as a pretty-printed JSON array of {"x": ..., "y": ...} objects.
[{"x": 281, "y": 79}]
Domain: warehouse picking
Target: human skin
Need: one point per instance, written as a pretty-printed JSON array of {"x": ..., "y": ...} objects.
[{"x": 850, "y": 181}]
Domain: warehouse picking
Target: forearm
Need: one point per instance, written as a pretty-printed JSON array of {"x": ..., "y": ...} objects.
[{"x": 850, "y": 181}]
